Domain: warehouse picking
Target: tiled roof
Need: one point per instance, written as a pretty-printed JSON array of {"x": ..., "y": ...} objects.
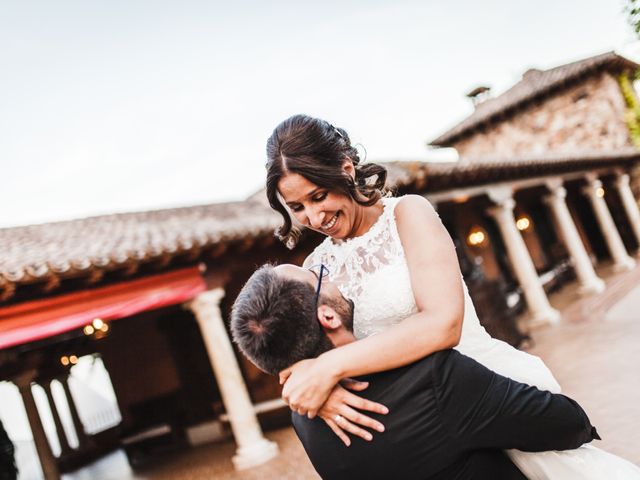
[
  {"x": 534, "y": 84},
  {"x": 89, "y": 247},
  {"x": 439, "y": 177},
  {"x": 77, "y": 247}
]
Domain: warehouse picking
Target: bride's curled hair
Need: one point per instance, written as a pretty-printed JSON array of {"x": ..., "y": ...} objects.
[{"x": 316, "y": 150}]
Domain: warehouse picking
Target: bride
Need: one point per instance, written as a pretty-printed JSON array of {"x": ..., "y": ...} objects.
[{"x": 396, "y": 261}]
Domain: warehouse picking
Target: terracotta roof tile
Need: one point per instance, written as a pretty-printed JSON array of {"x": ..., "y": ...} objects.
[{"x": 71, "y": 247}]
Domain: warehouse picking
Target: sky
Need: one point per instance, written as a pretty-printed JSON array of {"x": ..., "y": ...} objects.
[{"x": 111, "y": 105}]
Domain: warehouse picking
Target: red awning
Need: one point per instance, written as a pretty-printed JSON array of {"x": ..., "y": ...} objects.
[{"x": 38, "y": 319}]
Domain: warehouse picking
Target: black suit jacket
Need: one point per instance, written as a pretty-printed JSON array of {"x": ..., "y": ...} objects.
[{"x": 448, "y": 416}]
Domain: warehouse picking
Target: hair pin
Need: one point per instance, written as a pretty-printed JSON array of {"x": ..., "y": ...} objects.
[{"x": 335, "y": 129}]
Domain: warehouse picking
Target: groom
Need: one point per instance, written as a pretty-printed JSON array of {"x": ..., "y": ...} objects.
[{"x": 449, "y": 418}]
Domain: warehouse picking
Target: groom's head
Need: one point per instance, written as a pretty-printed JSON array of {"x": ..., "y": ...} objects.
[{"x": 275, "y": 320}]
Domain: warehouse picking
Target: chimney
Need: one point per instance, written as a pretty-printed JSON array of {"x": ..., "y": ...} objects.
[
  {"x": 479, "y": 94},
  {"x": 531, "y": 73}
]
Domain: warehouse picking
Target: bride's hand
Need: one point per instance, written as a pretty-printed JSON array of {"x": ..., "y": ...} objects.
[
  {"x": 307, "y": 385},
  {"x": 340, "y": 415}
]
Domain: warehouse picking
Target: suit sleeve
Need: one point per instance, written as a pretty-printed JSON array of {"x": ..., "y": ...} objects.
[{"x": 485, "y": 410}]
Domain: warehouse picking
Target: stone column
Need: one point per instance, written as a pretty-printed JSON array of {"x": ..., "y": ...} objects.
[
  {"x": 65, "y": 449},
  {"x": 83, "y": 440},
  {"x": 47, "y": 460},
  {"x": 253, "y": 448},
  {"x": 537, "y": 301},
  {"x": 621, "y": 259},
  {"x": 630, "y": 204},
  {"x": 589, "y": 281}
]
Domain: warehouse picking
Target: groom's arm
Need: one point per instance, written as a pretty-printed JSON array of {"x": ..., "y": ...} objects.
[{"x": 486, "y": 410}]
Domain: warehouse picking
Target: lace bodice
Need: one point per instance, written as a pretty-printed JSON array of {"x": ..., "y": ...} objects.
[{"x": 372, "y": 271}]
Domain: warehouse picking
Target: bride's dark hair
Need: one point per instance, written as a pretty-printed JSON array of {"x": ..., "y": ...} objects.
[{"x": 317, "y": 150}]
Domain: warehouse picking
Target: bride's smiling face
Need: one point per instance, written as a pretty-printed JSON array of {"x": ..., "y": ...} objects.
[{"x": 318, "y": 208}]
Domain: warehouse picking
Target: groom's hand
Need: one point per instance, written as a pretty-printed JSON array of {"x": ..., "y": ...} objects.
[
  {"x": 307, "y": 385},
  {"x": 340, "y": 414}
]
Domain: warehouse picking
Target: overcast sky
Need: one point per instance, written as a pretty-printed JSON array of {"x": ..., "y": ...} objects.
[{"x": 110, "y": 105}]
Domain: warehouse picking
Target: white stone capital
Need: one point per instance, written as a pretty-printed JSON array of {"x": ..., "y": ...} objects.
[
  {"x": 554, "y": 183},
  {"x": 591, "y": 177},
  {"x": 623, "y": 180},
  {"x": 560, "y": 192},
  {"x": 556, "y": 196},
  {"x": 208, "y": 299},
  {"x": 503, "y": 212},
  {"x": 501, "y": 195},
  {"x": 591, "y": 188}
]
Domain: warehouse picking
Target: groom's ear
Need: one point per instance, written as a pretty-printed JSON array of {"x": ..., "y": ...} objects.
[{"x": 328, "y": 318}]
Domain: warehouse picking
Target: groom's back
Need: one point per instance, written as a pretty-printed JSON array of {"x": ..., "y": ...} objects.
[{"x": 415, "y": 443}]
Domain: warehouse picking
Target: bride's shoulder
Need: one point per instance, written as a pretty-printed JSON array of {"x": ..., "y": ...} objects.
[
  {"x": 411, "y": 205},
  {"x": 416, "y": 218},
  {"x": 309, "y": 261}
]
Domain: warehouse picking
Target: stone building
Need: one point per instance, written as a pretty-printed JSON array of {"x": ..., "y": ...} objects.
[
  {"x": 534, "y": 203},
  {"x": 574, "y": 108},
  {"x": 576, "y": 112}
]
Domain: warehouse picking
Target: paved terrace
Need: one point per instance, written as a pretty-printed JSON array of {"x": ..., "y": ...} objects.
[{"x": 594, "y": 353}]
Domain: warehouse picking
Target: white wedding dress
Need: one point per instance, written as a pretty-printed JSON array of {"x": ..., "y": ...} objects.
[{"x": 372, "y": 271}]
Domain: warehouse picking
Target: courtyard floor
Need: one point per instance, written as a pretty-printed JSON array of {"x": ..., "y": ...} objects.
[{"x": 594, "y": 352}]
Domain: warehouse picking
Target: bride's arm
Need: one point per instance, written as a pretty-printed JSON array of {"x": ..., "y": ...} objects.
[{"x": 437, "y": 288}]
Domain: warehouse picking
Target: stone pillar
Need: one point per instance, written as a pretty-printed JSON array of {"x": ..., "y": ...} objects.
[
  {"x": 589, "y": 281},
  {"x": 65, "y": 449},
  {"x": 630, "y": 204},
  {"x": 47, "y": 460},
  {"x": 83, "y": 440},
  {"x": 537, "y": 301},
  {"x": 621, "y": 259},
  {"x": 253, "y": 448}
]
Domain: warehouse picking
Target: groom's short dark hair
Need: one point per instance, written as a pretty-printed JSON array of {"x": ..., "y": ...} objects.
[{"x": 274, "y": 321}]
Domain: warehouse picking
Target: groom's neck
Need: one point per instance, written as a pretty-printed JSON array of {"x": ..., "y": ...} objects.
[{"x": 341, "y": 337}]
